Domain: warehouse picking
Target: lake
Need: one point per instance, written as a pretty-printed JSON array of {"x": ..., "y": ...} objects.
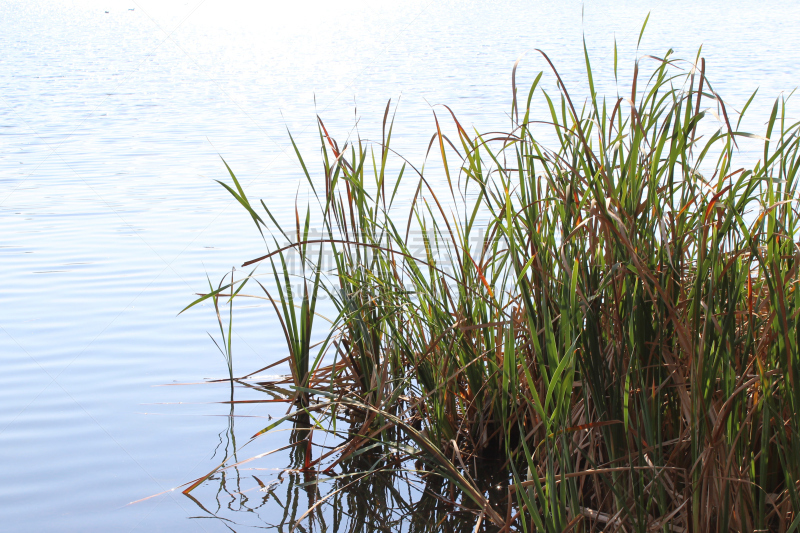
[{"x": 113, "y": 118}]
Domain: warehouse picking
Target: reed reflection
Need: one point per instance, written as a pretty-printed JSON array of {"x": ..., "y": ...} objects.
[{"x": 370, "y": 491}]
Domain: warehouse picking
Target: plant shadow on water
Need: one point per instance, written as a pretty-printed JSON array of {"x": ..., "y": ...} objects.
[{"x": 370, "y": 493}]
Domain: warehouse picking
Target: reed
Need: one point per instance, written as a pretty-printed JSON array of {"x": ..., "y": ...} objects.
[{"x": 610, "y": 322}]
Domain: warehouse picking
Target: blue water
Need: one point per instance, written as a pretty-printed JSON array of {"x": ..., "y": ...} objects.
[{"x": 113, "y": 115}]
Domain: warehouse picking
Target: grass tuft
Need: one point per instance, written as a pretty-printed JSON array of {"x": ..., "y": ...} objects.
[{"x": 609, "y": 321}]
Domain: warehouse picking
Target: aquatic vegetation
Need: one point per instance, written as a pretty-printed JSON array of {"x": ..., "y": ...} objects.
[{"x": 608, "y": 325}]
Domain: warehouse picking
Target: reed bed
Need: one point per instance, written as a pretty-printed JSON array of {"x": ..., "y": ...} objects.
[{"x": 608, "y": 324}]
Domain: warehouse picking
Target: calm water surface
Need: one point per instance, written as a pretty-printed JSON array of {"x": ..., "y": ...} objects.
[{"x": 112, "y": 117}]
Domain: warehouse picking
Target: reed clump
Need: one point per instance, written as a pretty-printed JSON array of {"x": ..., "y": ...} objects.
[{"x": 609, "y": 323}]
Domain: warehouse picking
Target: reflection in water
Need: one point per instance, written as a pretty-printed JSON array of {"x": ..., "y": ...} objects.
[{"x": 369, "y": 492}]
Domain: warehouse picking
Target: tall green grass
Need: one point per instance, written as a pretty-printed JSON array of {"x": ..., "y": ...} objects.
[{"x": 610, "y": 321}]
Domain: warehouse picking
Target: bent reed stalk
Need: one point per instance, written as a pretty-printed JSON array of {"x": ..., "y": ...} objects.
[{"x": 624, "y": 336}]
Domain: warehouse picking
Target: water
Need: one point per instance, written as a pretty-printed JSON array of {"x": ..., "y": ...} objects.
[{"x": 110, "y": 130}]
